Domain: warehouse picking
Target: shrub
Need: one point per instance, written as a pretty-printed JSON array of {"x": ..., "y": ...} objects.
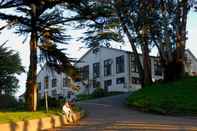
[
  {"x": 99, "y": 92},
  {"x": 52, "y": 103},
  {"x": 8, "y": 102}
]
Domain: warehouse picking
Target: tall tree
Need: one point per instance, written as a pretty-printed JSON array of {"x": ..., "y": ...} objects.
[
  {"x": 113, "y": 13},
  {"x": 170, "y": 38},
  {"x": 42, "y": 21}
]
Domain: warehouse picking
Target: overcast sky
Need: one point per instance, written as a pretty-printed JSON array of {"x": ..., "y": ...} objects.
[{"x": 73, "y": 49}]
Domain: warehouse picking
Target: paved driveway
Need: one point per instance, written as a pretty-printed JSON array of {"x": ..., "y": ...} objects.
[{"x": 110, "y": 114}]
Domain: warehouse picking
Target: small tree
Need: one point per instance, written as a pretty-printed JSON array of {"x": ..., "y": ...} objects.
[{"x": 10, "y": 65}]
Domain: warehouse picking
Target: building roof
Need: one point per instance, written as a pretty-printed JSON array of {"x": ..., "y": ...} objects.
[
  {"x": 101, "y": 47},
  {"x": 105, "y": 48},
  {"x": 192, "y": 55}
]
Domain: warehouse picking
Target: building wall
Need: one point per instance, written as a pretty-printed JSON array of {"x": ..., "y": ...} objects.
[
  {"x": 191, "y": 63},
  {"x": 102, "y": 54},
  {"x": 99, "y": 55},
  {"x": 60, "y": 89},
  {"x": 135, "y": 86}
]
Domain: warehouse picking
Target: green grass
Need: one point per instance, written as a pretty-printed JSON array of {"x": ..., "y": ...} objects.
[
  {"x": 89, "y": 97},
  {"x": 10, "y": 116},
  {"x": 177, "y": 98}
]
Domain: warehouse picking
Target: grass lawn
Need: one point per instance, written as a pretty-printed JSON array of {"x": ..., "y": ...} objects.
[
  {"x": 82, "y": 97},
  {"x": 11, "y": 116},
  {"x": 177, "y": 98}
]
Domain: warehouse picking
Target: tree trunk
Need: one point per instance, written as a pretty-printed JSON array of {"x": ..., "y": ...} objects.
[
  {"x": 181, "y": 37},
  {"x": 137, "y": 58},
  {"x": 31, "y": 79},
  {"x": 147, "y": 64}
]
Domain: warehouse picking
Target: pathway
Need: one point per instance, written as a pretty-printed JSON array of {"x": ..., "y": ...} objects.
[{"x": 110, "y": 114}]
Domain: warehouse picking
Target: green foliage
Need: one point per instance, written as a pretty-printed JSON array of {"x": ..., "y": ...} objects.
[
  {"x": 8, "y": 102},
  {"x": 177, "y": 98},
  {"x": 10, "y": 65},
  {"x": 99, "y": 92},
  {"x": 43, "y": 21},
  {"x": 52, "y": 103}
]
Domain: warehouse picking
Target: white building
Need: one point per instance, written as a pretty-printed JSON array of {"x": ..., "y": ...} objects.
[
  {"x": 55, "y": 84},
  {"x": 191, "y": 63},
  {"x": 109, "y": 68},
  {"x": 113, "y": 70}
]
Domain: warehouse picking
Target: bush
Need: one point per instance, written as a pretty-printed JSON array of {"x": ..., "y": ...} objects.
[
  {"x": 52, "y": 103},
  {"x": 8, "y": 102},
  {"x": 99, "y": 92}
]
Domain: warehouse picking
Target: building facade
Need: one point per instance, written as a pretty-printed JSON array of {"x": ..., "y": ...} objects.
[
  {"x": 53, "y": 83},
  {"x": 113, "y": 70},
  {"x": 109, "y": 68}
]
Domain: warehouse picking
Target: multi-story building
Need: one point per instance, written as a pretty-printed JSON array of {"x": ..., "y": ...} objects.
[
  {"x": 113, "y": 70},
  {"x": 109, "y": 68}
]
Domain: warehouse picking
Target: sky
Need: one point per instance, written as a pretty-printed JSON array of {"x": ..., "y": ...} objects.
[{"x": 74, "y": 49}]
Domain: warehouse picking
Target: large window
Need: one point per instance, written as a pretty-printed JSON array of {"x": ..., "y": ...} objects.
[
  {"x": 133, "y": 64},
  {"x": 157, "y": 67},
  {"x": 120, "y": 80},
  {"x": 107, "y": 67},
  {"x": 120, "y": 64},
  {"x": 96, "y": 84},
  {"x": 96, "y": 70},
  {"x": 84, "y": 72},
  {"x": 136, "y": 80},
  {"x": 46, "y": 82},
  {"x": 54, "y": 93},
  {"x": 65, "y": 82},
  {"x": 54, "y": 82},
  {"x": 107, "y": 83}
]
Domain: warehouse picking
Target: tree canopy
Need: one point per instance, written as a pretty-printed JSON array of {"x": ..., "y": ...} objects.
[{"x": 10, "y": 65}]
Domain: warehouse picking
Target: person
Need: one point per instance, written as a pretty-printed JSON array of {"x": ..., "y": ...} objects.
[
  {"x": 72, "y": 99},
  {"x": 67, "y": 110}
]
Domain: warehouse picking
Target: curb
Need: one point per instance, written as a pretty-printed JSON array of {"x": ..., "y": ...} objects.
[{"x": 41, "y": 123}]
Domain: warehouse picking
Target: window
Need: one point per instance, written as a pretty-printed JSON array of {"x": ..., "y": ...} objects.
[
  {"x": 65, "y": 82},
  {"x": 120, "y": 64},
  {"x": 54, "y": 93},
  {"x": 84, "y": 72},
  {"x": 133, "y": 64},
  {"x": 120, "y": 80},
  {"x": 107, "y": 67},
  {"x": 54, "y": 82},
  {"x": 96, "y": 84},
  {"x": 107, "y": 83},
  {"x": 39, "y": 85},
  {"x": 135, "y": 80},
  {"x": 157, "y": 67},
  {"x": 96, "y": 70},
  {"x": 46, "y": 82}
]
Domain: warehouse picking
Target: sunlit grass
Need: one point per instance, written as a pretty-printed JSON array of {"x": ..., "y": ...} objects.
[{"x": 177, "y": 98}]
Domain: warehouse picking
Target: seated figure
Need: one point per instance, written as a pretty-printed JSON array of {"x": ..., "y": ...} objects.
[{"x": 67, "y": 110}]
